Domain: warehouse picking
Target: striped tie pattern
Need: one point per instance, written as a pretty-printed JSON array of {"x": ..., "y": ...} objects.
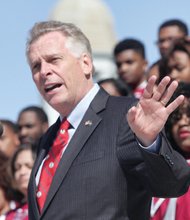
[{"x": 51, "y": 163}]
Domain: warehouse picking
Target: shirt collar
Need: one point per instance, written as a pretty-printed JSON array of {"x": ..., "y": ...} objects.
[{"x": 78, "y": 112}]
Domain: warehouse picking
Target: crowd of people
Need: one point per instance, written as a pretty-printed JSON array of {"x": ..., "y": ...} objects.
[
  {"x": 18, "y": 147},
  {"x": 114, "y": 182}
]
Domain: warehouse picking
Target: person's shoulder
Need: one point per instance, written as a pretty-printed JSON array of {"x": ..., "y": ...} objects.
[
  {"x": 124, "y": 102},
  {"x": 129, "y": 97}
]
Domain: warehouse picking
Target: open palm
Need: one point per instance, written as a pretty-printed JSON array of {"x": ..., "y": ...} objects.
[{"x": 148, "y": 118}]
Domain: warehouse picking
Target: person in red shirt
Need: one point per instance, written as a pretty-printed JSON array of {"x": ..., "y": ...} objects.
[
  {"x": 21, "y": 166},
  {"x": 130, "y": 59},
  {"x": 178, "y": 132},
  {"x": 8, "y": 195}
]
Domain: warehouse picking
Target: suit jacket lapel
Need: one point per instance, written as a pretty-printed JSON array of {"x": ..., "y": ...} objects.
[{"x": 89, "y": 122}]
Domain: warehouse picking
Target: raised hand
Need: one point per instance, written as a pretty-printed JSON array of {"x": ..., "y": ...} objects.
[{"x": 150, "y": 115}]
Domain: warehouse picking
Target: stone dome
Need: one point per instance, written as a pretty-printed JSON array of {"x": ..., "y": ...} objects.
[{"x": 93, "y": 17}]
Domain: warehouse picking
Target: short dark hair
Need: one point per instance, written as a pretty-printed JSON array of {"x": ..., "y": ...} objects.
[
  {"x": 6, "y": 182},
  {"x": 122, "y": 89},
  {"x": 128, "y": 44},
  {"x": 5, "y": 178},
  {"x": 175, "y": 22},
  {"x": 13, "y": 126},
  {"x": 41, "y": 114}
]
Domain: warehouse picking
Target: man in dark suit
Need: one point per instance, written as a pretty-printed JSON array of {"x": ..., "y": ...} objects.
[{"x": 111, "y": 164}]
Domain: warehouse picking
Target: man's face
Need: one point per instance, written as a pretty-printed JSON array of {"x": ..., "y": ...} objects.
[
  {"x": 131, "y": 67},
  {"x": 167, "y": 36},
  {"x": 61, "y": 77},
  {"x": 30, "y": 127}
]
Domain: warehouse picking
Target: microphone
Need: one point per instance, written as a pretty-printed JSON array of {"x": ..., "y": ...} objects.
[{"x": 1, "y": 129}]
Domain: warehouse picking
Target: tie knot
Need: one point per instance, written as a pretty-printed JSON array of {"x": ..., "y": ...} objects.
[
  {"x": 62, "y": 135},
  {"x": 64, "y": 124}
]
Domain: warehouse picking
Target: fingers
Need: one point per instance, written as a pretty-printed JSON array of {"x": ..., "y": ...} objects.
[
  {"x": 161, "y": 88},
  {"x": 150, "y": 87},
  {"x": 131, "y": 114},
  {"x": 173, "y": 105},
  {"x": 163, "y": 92},
  {"x": 168, "y": 93},
  {"x": 156, "y": 92}
]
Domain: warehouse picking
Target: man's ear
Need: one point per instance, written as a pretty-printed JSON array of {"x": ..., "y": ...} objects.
[
  {"x": 145, "y": 66},
  {"x": 87, "y": 64},
  {"x": 45, "y": 127}
]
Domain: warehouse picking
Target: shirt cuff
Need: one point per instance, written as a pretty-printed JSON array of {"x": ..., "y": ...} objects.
[{"x": 154, "y": 147}]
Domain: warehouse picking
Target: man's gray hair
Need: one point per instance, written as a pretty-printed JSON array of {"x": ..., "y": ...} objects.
[{"x": 77, "y": 42}]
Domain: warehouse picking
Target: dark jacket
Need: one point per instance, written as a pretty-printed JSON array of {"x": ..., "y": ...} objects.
[{"x": 104, "y": 174}]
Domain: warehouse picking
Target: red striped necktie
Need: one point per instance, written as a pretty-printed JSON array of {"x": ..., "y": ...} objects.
[{"x": 51, "y": 163}]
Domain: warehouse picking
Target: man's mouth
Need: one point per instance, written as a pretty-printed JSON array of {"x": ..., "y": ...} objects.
[{"x": 52, "y": 87}]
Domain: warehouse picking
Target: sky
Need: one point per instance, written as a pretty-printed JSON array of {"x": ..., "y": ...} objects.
[{"x": 139, "y": 19}]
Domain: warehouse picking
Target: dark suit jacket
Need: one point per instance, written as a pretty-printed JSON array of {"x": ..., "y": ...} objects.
[{"x": 104, "y": 174}]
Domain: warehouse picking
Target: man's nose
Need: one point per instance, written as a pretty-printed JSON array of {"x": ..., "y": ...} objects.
[
  {"x": 45, "y": 69},
  {"x": 23, "y": 131}
]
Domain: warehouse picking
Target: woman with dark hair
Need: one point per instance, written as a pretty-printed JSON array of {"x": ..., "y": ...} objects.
[
  {"x": 177, "y": 62},
  {"x": 21, "y": 166},
  {"x": 7, "y": 193},
  {"x": 178, "y": 132},
  {"x": 114, "y": 87},
  {"x": 180, "y": 144}
]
